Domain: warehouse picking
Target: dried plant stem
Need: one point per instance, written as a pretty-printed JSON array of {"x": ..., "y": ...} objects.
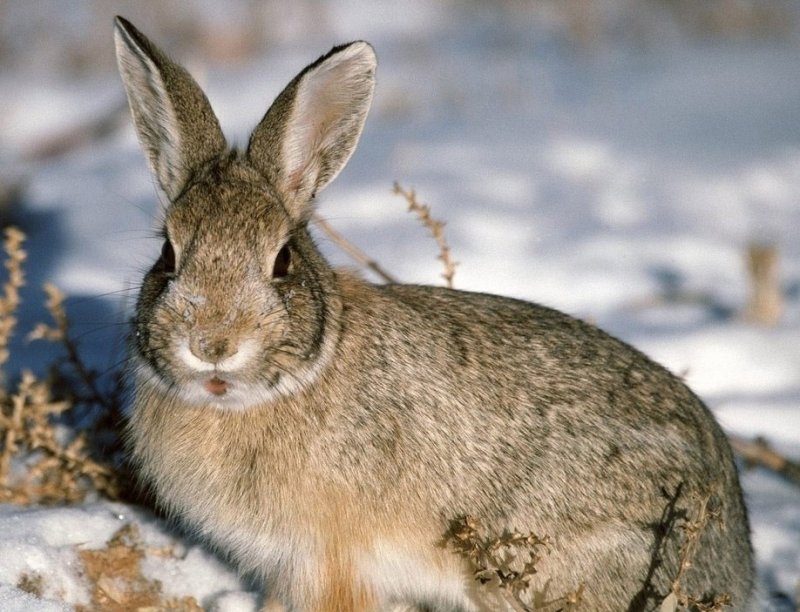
[
  {"x": 678, "y": 597},
  {"x": 766, "y": 302},
  {"x": 505, "y": 564},
  {"x": 13, "y": 426},
  {"x": 694, "y": 529},
  {"x": 352, "y": 250},
  {"x": 436, "y": 227},
  {"x": 9, "y": 301},
  {"x": 60, "y": 333},
  {"x": 39, "y": 463},
  {"x": 423, "y": 212},
  {"x": 758, "y": 452}
]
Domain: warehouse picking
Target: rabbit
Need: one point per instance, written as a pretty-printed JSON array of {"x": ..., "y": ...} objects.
[{"x": 324, "y": 433}]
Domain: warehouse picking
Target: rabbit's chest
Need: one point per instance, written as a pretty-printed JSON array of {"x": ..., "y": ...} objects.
[
  {"x": 259, "y": 529},
  {"x": 293, "y": 532}
]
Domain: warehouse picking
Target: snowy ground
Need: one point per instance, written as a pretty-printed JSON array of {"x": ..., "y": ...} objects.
[{"x": 590, "y": 180}]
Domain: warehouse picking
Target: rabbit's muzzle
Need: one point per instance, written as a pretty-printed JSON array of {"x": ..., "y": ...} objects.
[{"x": 212, "y": 350}]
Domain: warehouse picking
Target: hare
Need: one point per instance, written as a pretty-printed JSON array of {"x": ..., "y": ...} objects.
[{"x": 323, "y": 432}]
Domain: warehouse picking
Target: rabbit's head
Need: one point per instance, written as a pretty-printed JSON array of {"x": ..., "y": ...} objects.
[{"x": 240, "y": 308}]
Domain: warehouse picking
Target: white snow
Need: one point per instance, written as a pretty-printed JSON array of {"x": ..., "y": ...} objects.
[
  {"x": 590, "y": 180},
  {"x": 46, "y": 541}
]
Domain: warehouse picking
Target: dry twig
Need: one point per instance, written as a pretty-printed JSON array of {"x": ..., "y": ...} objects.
[
  {"x": 758, "y": 452},
  {"x": 678, "y": 598},
  {"x": 436, "y": 227},
  {"x": 361, "y": 258},
  {"x": 505, "y": 564},
  {"x": 765, "y": 304},
  {"x": 39, "y": 462},
  {"x": 59, "y": 332},
  {"x": 352, "y": 250},
  {"x": 10, "y": 300}
]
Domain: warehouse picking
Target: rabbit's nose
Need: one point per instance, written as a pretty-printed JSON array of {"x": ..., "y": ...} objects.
[{"x": 212, "y": 350}]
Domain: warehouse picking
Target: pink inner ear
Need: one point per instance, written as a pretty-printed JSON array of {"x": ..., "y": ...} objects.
[
  {"x": 298, "y": 179},
  {"x": 329, "y": 108},
  {"x": 314, "y": 123}
]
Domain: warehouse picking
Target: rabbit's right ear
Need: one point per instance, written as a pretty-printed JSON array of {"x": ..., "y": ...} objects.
[
  {"x": 173, "y": 118},
  {"x": 312, "y": 128}
]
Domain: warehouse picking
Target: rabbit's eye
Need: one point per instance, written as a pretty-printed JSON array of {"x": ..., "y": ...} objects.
[
  {"x": 282, "y": 261},
  {"x": 168, "y": 257}
]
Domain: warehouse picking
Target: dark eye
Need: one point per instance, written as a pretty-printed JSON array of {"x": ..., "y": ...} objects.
[
  {"x": 168, "y": 257},
  {"x": 282, "y": 261}
]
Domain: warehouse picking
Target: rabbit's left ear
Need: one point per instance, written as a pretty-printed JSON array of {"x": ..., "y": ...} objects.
[
  {"x": 312, "y": 128},
  {"x": 173, "y": 118}
]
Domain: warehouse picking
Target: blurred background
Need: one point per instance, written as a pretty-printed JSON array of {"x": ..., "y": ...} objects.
[
  {"x": 72, "y": 40},
  {"x": 632, "y": 162},
  {"x": 607, "y": 157}
]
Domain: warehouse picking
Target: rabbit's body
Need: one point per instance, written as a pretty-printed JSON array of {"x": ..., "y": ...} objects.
[
  {"x": 324, "y": 432},
  {"x": 366, "y": 476}
]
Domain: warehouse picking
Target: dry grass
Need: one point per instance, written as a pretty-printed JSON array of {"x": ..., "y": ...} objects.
[
  {"x": 423, "y": 213},
  {"x": 355, "y": 253},
  {"x": 9, "y": 302},
  {"x": 116, "y": 580},
  {"x": 42, "y": 460},
  {"x": 765, "y": 304},
  {"x": 506, "y": 564},
  {"x": 679, "y": 599}
]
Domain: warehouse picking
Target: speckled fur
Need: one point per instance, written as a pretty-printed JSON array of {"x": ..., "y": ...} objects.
[{"x": 362, "y": 418}]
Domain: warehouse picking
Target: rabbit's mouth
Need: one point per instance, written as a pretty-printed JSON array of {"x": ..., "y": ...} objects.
[
  {"x": 216, "y": 386},
  {"x": 229, "y": 391},
  {"x": 219, "y": 390}
]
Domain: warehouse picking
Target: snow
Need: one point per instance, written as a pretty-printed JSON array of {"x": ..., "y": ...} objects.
[
  {"x": 46, "y": 541},
  {"x": 589, "y": 180}
]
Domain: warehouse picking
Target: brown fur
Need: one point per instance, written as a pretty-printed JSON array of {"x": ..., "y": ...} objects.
[
  {"x": 340, "y": 588},
  {"x": 358, "y": 420}
]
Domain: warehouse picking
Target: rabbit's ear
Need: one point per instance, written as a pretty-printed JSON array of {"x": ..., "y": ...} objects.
[
  {"x": 176, "y": 126},
  {"x": 312, "y": 128}
]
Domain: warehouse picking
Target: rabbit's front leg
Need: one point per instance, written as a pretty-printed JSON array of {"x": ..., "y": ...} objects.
[
  {"x": 324, "y": 583},
  {"x": 341, "y": 592}
]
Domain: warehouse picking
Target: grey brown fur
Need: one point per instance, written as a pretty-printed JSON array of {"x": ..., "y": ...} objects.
[{"x": 323, "y": 432}]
